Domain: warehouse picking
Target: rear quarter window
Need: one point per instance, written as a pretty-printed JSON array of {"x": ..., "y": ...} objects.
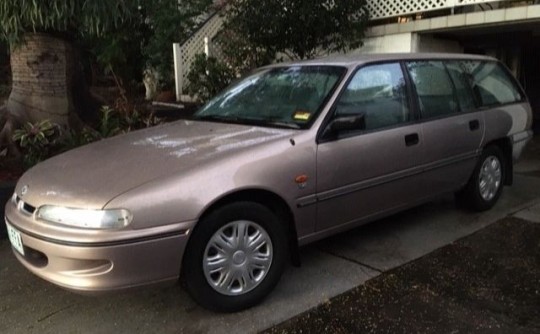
[{"x": 491, "y": 83}]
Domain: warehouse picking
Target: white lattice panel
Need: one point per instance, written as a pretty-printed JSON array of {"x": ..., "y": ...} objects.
[
  {"x": 379, "y": 9},
  {"x": 388, "y": 8},
  {"x": 474, "y": 2},
  {"x": 195, "y": 44}
]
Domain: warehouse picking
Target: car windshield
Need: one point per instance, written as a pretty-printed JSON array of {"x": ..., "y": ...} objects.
[{"x": 288, "y": 97}]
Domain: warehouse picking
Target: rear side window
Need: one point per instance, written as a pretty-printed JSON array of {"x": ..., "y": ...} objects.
[
  {"x": 491, "y": 83},
  {"x": 379, "y": 93},
  {"x": 434, "y": 88},
  {"x": 463, "y": 84}
]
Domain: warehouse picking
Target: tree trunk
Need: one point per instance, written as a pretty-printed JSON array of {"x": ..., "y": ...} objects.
[
  {"x": 48, "y": 83},
  {"x": 42, "y": 69}
]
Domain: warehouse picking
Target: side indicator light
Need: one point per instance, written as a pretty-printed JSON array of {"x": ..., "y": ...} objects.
[{"x": 301, "y": 180}]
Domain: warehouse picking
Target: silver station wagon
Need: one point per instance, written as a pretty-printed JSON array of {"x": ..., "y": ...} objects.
[{"x": 290, "y": 154}]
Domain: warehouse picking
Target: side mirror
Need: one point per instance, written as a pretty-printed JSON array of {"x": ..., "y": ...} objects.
[{"x": 348, "y": 123}]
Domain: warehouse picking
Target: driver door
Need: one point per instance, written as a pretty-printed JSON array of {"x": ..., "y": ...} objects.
[{"x": 375, "y": 168}]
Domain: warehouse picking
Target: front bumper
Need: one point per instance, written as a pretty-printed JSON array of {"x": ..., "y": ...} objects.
[{"x": 93, "y": 267}]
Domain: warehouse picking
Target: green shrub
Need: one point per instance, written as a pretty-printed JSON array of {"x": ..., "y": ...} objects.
[{"x": 207, "y": 77}]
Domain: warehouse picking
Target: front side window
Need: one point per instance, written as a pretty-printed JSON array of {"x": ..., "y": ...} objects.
[
  {"x": 281, "y": 97},
  {"x": 379, "y": 93},
  {"x": 434, "y": 88},
  {"x": 491, "y": 83}
]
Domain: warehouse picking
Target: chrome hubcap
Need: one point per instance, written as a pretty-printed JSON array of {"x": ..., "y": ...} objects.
[
  {"x": 237, "y": 257},
  {"x": 490, "y": 178}
]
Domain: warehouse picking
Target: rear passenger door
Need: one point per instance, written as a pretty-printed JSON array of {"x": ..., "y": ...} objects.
[{"x": 452, "y": 124}]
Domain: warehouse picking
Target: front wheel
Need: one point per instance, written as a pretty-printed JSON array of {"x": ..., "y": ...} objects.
[
  {"x": 486, "y": 184},
  {"x": 235, "y": 256}
]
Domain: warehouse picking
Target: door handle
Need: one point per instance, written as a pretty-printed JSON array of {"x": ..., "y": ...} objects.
[
  {"x": 474, "y": 125},
  {"x": 412, "y": 139}
]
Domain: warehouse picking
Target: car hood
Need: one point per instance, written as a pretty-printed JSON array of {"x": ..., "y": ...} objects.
[{"x": 92, "y": 175}]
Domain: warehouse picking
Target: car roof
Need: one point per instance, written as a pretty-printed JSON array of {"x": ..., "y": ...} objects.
[{"x": 357, "y": 59}]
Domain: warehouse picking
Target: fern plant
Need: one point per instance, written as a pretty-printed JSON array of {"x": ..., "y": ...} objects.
[{"x": 36, "y": 141}]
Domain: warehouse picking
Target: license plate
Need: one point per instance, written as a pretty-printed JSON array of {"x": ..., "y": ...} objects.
[{"x": 15, "y": 238}]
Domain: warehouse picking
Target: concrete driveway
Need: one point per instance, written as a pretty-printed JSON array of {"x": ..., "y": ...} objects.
[{"x": 330, "y": 267}]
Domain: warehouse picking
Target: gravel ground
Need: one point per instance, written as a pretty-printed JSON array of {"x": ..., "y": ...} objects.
[{"x": 488, "y": 282}]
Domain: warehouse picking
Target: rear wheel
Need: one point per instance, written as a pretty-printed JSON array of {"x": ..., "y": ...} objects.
[
  {"x": 235, "y": 256},
  {"x": 486, "y": 184}
]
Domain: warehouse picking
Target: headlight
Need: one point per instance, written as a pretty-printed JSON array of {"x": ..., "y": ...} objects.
[{"x": 98, "y": 219}]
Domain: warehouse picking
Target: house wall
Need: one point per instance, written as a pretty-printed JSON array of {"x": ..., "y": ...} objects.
[
  {"x": 408, "y": 42},
  {"x": 428, "y": 43},
  {"x": 389, "y": 43}
]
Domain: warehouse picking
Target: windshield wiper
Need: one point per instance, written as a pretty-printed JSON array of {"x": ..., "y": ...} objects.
[
  {"x": 268, "y": 122},
  {"x": 284, "y": 124},
  {"x": 249, "y": 121},
  {"x": 213, "y": 117},
  {"x": 218, "y": 118}
]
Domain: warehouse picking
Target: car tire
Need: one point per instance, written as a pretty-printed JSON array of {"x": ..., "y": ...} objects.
[
  {"x": 226, "y": 273},
  {"x": 486, "y": 183}
]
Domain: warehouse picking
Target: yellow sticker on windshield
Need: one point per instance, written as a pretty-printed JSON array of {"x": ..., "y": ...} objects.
[{"x": 301, "y": 115}]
